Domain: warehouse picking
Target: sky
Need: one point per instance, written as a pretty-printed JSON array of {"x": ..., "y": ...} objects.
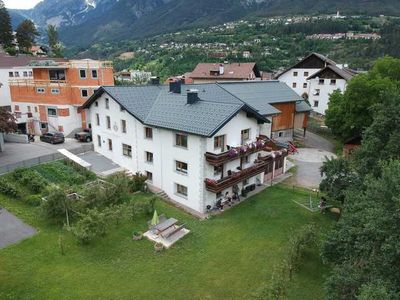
[{"x": 25, "y": 4}]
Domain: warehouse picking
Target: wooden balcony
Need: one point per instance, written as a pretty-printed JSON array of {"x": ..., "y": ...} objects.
[
  {"x": 236, "y": 152},
  {"x": 37, "y": 83},
  {"x": 217, "y": 186}
]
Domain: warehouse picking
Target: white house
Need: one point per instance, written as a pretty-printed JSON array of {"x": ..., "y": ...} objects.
[
  {"x": 324, "y": 82},
  {"x": 297, "y": 75},
  {"x": 193, "y": 142}
]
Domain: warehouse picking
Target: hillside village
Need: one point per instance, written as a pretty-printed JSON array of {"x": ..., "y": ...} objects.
[{"x": 181, "y": 163}]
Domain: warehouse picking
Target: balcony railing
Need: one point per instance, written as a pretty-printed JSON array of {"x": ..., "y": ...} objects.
[
  {"x": 237, "y": 152},
  {"x": 38, "y": 83},
  {"x": 217, "y": 186}
]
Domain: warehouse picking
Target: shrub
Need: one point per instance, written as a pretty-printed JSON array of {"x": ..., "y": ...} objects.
[
  {"x": 142, "y": 207},
  {"x": 7, "y": 188},
  {"x": 30, "y": 179},
  {"x": 33, "y": 200},
  {"x": 57, "y": 206},
  {"x": 138, "y": 182},
  {"x": 92, "y": 225}
]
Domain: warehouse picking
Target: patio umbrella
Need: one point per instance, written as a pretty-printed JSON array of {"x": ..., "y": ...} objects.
[{"x": 155, "y": 220}]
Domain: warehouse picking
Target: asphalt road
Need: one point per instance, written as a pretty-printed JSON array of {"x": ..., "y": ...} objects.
[{"x": 12, "y": 229}]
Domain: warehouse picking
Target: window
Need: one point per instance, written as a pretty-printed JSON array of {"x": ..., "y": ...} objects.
[
  {"x": 295, "y": 74},
  {"x": 10, "y": 74},
  {"x": 148, "y": 133},
  {"x": 84, "y": 93},
  {"x": 121, "y": 108},
  {"x": 181, "y": 167},
  {"x": 316, "y": 103},
  {"x": 16, "y": 74},
  {"x": 18, "y": 115},
  {"x": 181, "y": 190},
  {"x": 123, "y": 126},
  {"x": 149, "y": 176},
  {"x": 16, "y": 107},
  {"x": 218, "y": 195},
  {"x": 97, "y": 120},
  {"x": 245, "y": 135},
  {"x": 36, "y": 109},
  {"x": 107, "y": 103},
  {"x": 25, "y": 74},
  {"x": 245, "y": 182},
  {"x": 29, "y": 108},
  {"x": 149, "y": 157},
  {"x": 108, "y": 122},
  {"x": 333, "y": 81},
  {"x": 294, "y": 85},
  {"x": 52, "y": 112},
  {"x": 217, "y": 170},
  {"x": 30, "y": 73},
  {"x": 57, "y": 74},
  {"x": 127, "y": 150},
  {"x": 96, "y": 104},
  {"x": 110, "y": 144},
  {"x": 321, "y": 81},
  {"x": 55, "y": 91},
  {"x": 94, "y": 74},
  {"x": 40, "y": 90},
  {"x": 181, "y": 140},
  {"x": 305, "y": 74},
  {"x": 99, "y": 140},
  {"x": 317, "y": 92},
  {"x": 305, "y": 85},
  {"x": 219, "y": 142},
  {"x": 280, "y": 134},
  {"x": 82, "y": 74}
]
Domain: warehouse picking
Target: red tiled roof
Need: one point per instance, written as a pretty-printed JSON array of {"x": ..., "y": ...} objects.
[{"x": 231, "y": 70}]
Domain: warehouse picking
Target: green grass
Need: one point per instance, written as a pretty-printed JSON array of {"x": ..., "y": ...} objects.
[{"x": 226, "y": 257}]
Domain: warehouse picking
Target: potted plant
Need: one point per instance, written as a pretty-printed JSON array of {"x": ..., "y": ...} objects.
[
  {"x": 137, "y": 235},
  {"x": 158, "y": 247}
]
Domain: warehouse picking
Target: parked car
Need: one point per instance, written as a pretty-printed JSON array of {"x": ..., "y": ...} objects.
[
  {"x": 84, "y": 136},
  {"x": 53, "y": 137}
]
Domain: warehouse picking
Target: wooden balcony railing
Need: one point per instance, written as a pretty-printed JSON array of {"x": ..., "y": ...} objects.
[
  {"x": 237, "y": 152},
  {"x": 217, "y": 186}
]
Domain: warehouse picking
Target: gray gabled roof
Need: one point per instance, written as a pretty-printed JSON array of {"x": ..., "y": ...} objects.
[
  {"x": 345, "y": 73},
  {"x": 261, "y": 94},
  {"x": 156, "y": 106},
  {"x": 303, "y": 106}
]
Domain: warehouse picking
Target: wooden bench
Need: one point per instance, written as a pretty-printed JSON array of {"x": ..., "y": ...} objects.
[{"x": 171, "y": 231}]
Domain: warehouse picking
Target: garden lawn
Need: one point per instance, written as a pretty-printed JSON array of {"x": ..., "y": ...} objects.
[{"x": 227, "y": 257}]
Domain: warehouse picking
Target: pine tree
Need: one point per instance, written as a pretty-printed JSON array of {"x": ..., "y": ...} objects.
[
  {"x": 6, "y": 36},
  {"x": 26, "y": 34},
  {"x": 55, "y": 45}
]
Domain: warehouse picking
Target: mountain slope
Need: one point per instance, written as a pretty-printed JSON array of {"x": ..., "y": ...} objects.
[{"x": 83, "y": 22}]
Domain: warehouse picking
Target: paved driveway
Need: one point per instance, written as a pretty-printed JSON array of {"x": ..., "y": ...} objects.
[
  {"x": 12, "y": 229},
  {"x": 308, "y": 162},
  {"x": 17, "y": 152}
]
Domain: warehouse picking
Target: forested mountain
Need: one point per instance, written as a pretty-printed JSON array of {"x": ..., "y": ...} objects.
[{"x": 82, "y": 22}]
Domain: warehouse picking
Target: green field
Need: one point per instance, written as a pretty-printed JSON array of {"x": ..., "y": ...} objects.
[{"x": 227, "y": 257}]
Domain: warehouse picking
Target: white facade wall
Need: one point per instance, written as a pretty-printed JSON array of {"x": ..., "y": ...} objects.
[
  {"x": 5, "y": 96},
  {"x": 165, "y": 153},
  {"x": 319, "y": 93},
  {"x": 302, "y": 86}
]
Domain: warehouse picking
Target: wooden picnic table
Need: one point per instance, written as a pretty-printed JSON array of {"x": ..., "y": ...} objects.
[{"x": 166, "y": 224}]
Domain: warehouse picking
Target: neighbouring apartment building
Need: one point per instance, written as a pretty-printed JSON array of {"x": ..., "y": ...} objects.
[
  {"x": 51, "y": 99},
  {"x": 194, "y": 142},
  {"x": 315, "y": 78}
]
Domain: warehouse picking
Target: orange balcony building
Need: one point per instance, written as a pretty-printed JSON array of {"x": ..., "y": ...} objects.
[{"x": 51, "y": 100}]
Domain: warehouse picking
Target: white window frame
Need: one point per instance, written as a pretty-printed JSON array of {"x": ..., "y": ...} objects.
[
  {"x": 55, "y": 91},
  {"x": 127, "y": 150},
  {"x": 49, "y": 115},
  {"x": 97, "y": 73},
  {"x": 124, "y": 129},
  {"x": 181, "y": 170},
  {"x": 87, "y": 93},
  {"x": 177, "y": 185},
  {"x": 180, "y": 146},
  {"x": 40, "y": 90},
  {"x": 80, "y": 74}
]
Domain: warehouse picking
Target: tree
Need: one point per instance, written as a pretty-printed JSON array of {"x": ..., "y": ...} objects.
[
  {"x": 8, "y": 122},
  {"x": 363, "y": 246},
  {"x": 6, "y": 33},
  {"x": 54, "y": 43},
  {"x": 349, "y": 114},
  {"x": 26, "y": 34},
  {"x": 92, "y": 225},
  {"x": 338, "y": 176}
]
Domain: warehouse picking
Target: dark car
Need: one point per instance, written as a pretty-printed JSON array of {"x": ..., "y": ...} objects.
[
  {"x": 53, "y": 138},
  {"x": 84, "y": 136}
]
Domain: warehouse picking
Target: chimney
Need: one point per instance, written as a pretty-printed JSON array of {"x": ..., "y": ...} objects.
[
  {"x": 221, "y": 69},
  {"x": 175, "y": 87},
  {"x": 154, "y": 80},
  {"x": 192, "y": 96}
]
